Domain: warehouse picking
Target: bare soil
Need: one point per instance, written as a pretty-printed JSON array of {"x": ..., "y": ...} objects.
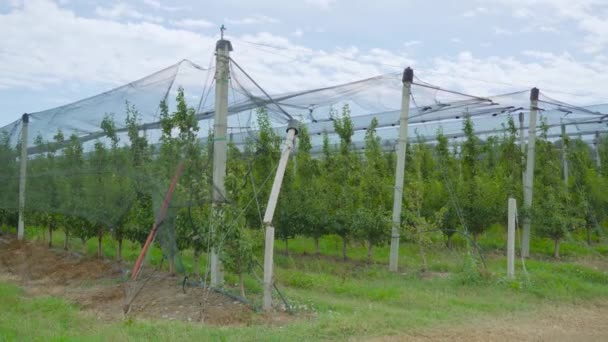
[
  {"x": 581, "y": 323},
  {"x": 100, "y": 288}
]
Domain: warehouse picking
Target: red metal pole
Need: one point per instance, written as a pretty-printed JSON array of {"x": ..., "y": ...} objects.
[{"x": 159, "y": 220}]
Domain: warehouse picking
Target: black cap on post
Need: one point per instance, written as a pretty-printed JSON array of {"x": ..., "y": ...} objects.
[
  {"x": 408, "y": 75},
  {"x": 293, "y": 124},
  {"x": 25, "y": 118},
  {"x": 534, "y": 94},
  {"x": 223, "y": 44}
]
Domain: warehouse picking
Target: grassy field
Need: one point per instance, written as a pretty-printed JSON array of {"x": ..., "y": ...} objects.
[{"x": 341, "y": 300}]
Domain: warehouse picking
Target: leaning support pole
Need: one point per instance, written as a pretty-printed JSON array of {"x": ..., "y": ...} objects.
[
  {"x": 529, "y": 177},
  {"x": 157, "y": 222},
  {"x": 408, "y": 78},
  {"x": 565, "y": 154},
  {"x": 512, "y": 209},
  {"x": 269, "y": 214},
  {"x": 598, "y": 159},
  {"x": 25, "y": 119},
  {"x": 220, "y": 132}
]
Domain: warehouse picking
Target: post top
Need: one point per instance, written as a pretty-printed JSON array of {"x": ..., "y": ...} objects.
[
  {"x": 534, "y": 94},
  {"x": 223, "y": 44},
  {"x": 408, "y": 75},
  {"x": 293, "y": 124},
  {"x": 25, "y": 118}
]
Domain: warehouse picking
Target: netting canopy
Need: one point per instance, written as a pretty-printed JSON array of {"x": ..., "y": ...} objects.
[
  {"x": 432, "y": 109},
  {"x": 89, "y": 158}
]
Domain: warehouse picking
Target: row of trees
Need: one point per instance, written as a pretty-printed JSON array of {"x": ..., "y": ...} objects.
[{"x": 117, "y": 185}]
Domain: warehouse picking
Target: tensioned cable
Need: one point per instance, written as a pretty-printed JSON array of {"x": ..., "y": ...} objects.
[
  {"x": 261, "y": 89},
  {"x": 428, "y": 71}
]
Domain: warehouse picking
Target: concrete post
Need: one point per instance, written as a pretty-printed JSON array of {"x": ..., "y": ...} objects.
[
  {"x": 220, "y": 131},
  {"x": 522, "y": 144},
  {"x": 511, "y": 238},
  {"x": 408, "y": 78},
  {"x": 529, "y": 177},
  {"x": 565, "y": 155},
  {"x": 598, "y": 159},
  {"x": 25, "y": 119},
  {"x": 269, "y": 214}
]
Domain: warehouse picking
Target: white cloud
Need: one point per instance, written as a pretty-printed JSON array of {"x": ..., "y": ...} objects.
[
  {"x": 546, "y": 28},
  {"x": 109, "y": 53},
  {"x": 102, "y": 51},
  {"x": 256, "y": 19},
  {"x": 157, "y": 5},
  {"x": 495, "y": 75},
  {"x": 522, "y": 13},
  {"x": 192, "y": 23},
  {"x": 321, "y": 4},
  {"x": 456, "y": 40},
  {"x": 412, "y": 43},
  {"x": 588, "y": 15},
  {"x": 298, "y": 33},
  {"x": 123, "y": 10},
  {"x": 15, "y": 3},
  {"x": 502, "y": 32},
  {"x": 475, "y": 12}
]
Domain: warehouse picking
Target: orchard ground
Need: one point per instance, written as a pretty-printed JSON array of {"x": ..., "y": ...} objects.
[{"x": 58, "y": 295}]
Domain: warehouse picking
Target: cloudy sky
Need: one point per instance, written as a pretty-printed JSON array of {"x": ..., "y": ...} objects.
[{"x": 53, "y": 52}]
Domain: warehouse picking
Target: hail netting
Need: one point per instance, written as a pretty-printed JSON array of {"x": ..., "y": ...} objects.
[{"x": 105, "y": 162}]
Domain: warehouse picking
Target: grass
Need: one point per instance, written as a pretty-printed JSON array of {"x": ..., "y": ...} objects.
[{"x": 340, "y": 300}]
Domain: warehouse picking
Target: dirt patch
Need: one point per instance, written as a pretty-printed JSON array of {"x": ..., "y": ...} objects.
[
  {"x": 159, "y": 296},
  {"x": 430, "y": 275},
  {"x": 598, "y": 264},
  {"x": 99, "y": 287},
  {"x": 564, "y": 323}
]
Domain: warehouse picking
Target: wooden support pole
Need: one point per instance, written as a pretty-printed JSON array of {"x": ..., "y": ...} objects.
[
  {"x": 269, "y": 214},
  {"x": 408, "y": 79}
]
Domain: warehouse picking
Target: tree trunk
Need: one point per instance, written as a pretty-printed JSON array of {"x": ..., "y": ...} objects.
[
  {"x": 317, "y": 250},
  {"x": 287, "y": 247},
  {"x": 422, "y": 256},
  {"x": 196, "y": 266},
  {"x": 344, "y": 248},
  {"x": 449, "y": 243},
  {"x": 84, "y": 246},
  {"x": 369, "y": 252},
  {"x": 119, "y": 252},
  {"x": 50, "y": 236},
  {"x": 172, "y": 266},
  {"x": 65, "y": 242},
  {"x": 556, "y": 250},
  {"x": 589, "y": 235},
  {"x": 242, "y": 284},
  {"x": 99, "y": 237}
]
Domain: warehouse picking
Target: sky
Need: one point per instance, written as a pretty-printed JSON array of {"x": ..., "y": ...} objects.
[{"x": 56, "y": 52}]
